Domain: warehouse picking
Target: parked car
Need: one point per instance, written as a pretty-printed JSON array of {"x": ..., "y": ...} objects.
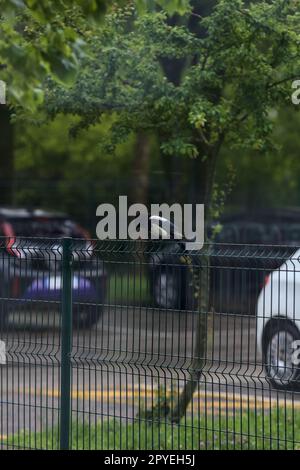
[
  {"x": 31, "y": 266},
  {"x": 278, "y": 324},
  {"x": 236, "y": 279}
]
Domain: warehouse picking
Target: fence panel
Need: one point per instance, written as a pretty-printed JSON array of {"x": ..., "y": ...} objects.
[
  {"x": 30, "y": 326},
  {"x": 169, "y": 349}
]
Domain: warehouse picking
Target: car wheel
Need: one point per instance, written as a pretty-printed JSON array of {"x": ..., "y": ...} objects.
[
  {"x": 281, "y": 370},
  {"x": 86, "y": 316},
  {"x": 167, "y": 288}
]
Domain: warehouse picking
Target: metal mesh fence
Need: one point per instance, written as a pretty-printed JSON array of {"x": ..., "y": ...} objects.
[{"x": 142, "y": 345}]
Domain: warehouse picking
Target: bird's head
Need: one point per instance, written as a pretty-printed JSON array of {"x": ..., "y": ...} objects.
[{"x": 162, "y": 228}]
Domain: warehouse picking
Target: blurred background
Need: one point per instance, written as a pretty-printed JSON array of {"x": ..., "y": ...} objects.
[{"x": 43, "y": 167}]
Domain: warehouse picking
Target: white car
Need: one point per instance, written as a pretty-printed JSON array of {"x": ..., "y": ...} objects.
[{"x": 278, "y": 324}]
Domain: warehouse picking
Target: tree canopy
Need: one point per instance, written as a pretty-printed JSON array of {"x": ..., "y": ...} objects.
[
  {"x": 235, "y": 74},
  {"x": 41, "y": 38}
]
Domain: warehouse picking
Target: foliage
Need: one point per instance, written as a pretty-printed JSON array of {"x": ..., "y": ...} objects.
[
  {"x": 228, "y": 86},
  {"x": 270, "y": 178},
  {"x": 170, "y": 6},
  {"x": 41, "y": 38},
  {"x": 38, "y": 38}
]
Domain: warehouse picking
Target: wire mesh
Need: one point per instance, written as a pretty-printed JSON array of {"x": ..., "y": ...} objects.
[{"x": 169, "y": 349}]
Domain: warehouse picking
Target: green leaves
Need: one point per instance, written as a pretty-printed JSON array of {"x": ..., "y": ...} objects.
[
  {"x": 233, "y": 72},
  {"x": 180, "y": 147},
  {"x": 41, "y": 38},
  {"x": 228, "y": 84}
]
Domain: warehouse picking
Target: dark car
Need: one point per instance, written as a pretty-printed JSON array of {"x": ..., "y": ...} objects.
[
  {"x": 31, "y": 266},
  {"x": 248, "y": 247}
]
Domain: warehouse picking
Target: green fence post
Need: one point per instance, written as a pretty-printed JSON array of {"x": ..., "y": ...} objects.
[{"x": 66, "y": 345}]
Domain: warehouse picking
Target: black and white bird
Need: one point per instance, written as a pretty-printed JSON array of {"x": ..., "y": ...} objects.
[{"x": 162, "y": 228}]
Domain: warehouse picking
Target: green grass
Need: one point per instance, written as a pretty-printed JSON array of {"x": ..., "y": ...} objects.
[
  {"x": 128, "y": 289},
  {"x": 277, "y": 428}
]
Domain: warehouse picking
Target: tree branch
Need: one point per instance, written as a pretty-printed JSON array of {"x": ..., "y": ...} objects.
[{"x": 280, "y": 82}]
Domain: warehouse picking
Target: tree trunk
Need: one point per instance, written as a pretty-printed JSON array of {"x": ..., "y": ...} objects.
[
  {"x": 6, "y": 156},
  {"x": 201, "y": 286},
  {"x": 201, "y": 278},
  {"x": 140, "y": 188}
]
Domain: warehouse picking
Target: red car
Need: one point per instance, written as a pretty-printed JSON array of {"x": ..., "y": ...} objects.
[{"x": 31, "y": 266}]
